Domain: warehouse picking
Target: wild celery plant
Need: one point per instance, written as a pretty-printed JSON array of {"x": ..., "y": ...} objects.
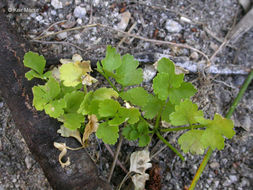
[{"x": 65, "y": 97}]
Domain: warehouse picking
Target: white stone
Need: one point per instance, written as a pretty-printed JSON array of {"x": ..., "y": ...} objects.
[
  {"x": 62, "y": 35},
  {"x": 39, "y": 18},
  {"x": 53, "y": 12},
  {"x": 233, "y": 178},
  {"x": 79, "y": 12},
  {"x": 149, "y": 73},
  {"x": 56, "y": 4},
  {"x": 173, "y": 26},
  {"x": 79, "y": 21}
]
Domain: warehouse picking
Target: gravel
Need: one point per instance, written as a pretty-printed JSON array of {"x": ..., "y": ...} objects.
[{"x": 177, "y": 21}]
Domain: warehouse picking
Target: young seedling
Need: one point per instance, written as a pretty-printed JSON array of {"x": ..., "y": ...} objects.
[{"x": 65, "y": 97}]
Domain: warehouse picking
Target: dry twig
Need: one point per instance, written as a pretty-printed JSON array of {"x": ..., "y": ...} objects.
[
  {"x": 131, "y": 35},
  {"x": 115, "y": 158}
]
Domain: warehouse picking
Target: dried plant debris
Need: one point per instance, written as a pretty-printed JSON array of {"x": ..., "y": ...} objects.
[{"x": 139, "y": 163}]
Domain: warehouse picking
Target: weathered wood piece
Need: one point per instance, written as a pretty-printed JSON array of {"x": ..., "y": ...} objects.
[{"x": 38, "y": 130}]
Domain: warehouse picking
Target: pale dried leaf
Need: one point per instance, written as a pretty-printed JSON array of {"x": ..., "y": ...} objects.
[
  {"x": 65, "y": 132},
  {"x": 139, "y": 161},
  {"x": 125, "y": 17},
  {"x": 63, "y": 148},
  {"x": 77, "y": 58},
  {"x": 139, "y": 181},
  {"x": 65, "y": 61},
  {"x": 88, "y": 80},
  {"x": 91, "y": 127},
  {"x": 56, "y": 73}
]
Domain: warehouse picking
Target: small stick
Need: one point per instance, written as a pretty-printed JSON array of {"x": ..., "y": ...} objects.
[
  {"x": 118, "y": 162},
  {"x": 52, "y": 26},
  {"x": 130, "y": 35},
  {"x": 129, "y": 31},
  {"x": 56, "y": 42},
  {"x": 115, "y": 158}
]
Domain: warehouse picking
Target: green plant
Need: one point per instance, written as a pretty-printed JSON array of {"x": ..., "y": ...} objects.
[{"x": 126, "y": 106}]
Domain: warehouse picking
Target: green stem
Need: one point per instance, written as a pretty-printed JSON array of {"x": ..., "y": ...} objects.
[
  {"x": 228, "y": 115},
  {"x": 200, "y": 169},
  {"x": 109, "y": 81},
  {"x": 240, "y": 94},
  {"x": 182, "y": 128},
  {"x": 169, "y": 145},
  {"x": 157, "y": 122}
]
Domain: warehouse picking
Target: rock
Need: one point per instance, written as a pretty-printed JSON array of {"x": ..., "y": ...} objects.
[
  {"x": 194, "y": 56},
  {"x": 53, "y": 12},
  {"x": 173, "y": 26},
  {"x": 39, "y": 18},
  {"x": 62, "y": 35},
  {"x": 28, "y": 162},
  {"x": 79, "y": 12},
  {"x": 125, "y": 17},
  {"x": 214, "y": 46},
  {"x": 56, "y": 4},
  {"x": 149, "y": 73},
  {"x": 214, "y": 165},
  {"x": 79, "y": 21},
  {"x": 233, "y": 178}
]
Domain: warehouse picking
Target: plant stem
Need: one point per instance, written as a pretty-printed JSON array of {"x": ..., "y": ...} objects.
[
  {"x": 109, "y": 81},
  {"x": 228, "y": 115},
  {"x": 115, "y": 158},
  {"x": 157, "y": 122},
  {"x": 182, "y": 128},
  {"x": 169, "y": 145},
  {"x": 240, "y": 94},
  {"x": 201, "y": 168}
]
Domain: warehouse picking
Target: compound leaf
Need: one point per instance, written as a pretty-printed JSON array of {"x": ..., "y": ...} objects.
[
  {"x": 190, "y": 142},
  {"x": 43, "y": 94},
  {"x": 128, "y": 74},
  {"x": 55, "y": 108},
  {"x": 73, "y": 101},
  {"x": 168, "y": 109},
  {"x": 152, "y": 108},
  {"x": 73, "y": 120},
  {"x": 108, "y": 134},
  {"x": 105, "y": 93},
  {"x": 108, "y": 108},
  {"x": 84, "y": 106},
  {"x": 213, "y": 139},
  {"x": 186, "y": 90},
  {"x": 34, "y": 61},
  {"x": 112, "y": 60},
  {"x": 186, "y": 113},
  {"x": 161, "y": 85},
  {"x": 137, "y": 96}
]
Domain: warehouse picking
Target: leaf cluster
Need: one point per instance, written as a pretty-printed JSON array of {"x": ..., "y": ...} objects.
[{"x": 64, "y": 96}]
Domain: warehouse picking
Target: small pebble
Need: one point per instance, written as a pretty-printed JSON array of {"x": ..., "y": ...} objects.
[
  {"x": 79, "y": 21},
  {"x": 39, "y": 18},
  {"x": 149, "y": 73},
  {"x": 125, "y": 17},
  {"x": 79, "y": 12},
  {"x": 214, "y": 165},
  {"x": 56, "y": 4},
  {"x": 53, "y": 12},
  {"x": 28, "y": 162},
  {"x": 194, "y": 56},
  {"x": 233, "y": 178},
  {"x": 62, "y": 35},
  {"x": 173, "y": 26},
  {"x": 1, "y": 104},
  {"x": 214, "y": 46}
]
